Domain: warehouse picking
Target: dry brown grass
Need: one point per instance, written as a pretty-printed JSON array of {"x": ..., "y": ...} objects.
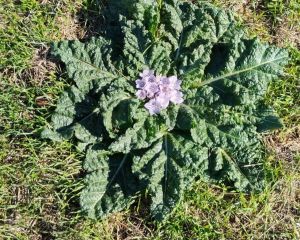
[{"x": 286, "y": 144}]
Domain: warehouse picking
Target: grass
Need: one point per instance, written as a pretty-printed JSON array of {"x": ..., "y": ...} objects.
[{"x": 40, "y": 181}]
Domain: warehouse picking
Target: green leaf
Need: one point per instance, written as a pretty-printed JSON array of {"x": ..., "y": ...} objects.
[
  {"x": 76, "y": 112},
  {"x": 236, "y": 155},
  {"x": 168, "y": 168},
  {"x": 109, "y": 184},
  {"x": 136, "y": 41},
  {"x": 86, "y": 62},
  {"x": 245, "y": 72},
  {"x": 108, "y": 103},
  {"x": 268, "y": 120},
  {"x": 146, "y": 131}
]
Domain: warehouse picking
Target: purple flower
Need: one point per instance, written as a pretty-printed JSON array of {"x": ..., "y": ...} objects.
[
  {"x": 165, "y": 81},
  {"x": 153, "y": 106},
  {"x": 176, "y": 97},
  {"x": 163, "y": 100},
  {"x": 160, "y": 90},
  {"x": 175, "y": 83},
  {"x": 151, "y": 89},
  {"x": 150, "y": 78},
  {"x": 140, "y": 84},
  {"x": 146, "y": 73},
  {"x": 141, "y": 94}
]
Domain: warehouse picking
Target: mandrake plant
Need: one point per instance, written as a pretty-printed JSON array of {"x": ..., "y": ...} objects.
[{"x": 173, "y": 91}]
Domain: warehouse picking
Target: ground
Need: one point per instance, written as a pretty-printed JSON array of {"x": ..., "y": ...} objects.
[{"x": 40, "y": 181}]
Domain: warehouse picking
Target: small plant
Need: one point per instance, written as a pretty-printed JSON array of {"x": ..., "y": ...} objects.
[{"x": 211, "y": 132}]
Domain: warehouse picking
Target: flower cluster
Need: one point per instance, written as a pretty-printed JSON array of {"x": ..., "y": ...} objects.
[{"x": 159, "y": 90}]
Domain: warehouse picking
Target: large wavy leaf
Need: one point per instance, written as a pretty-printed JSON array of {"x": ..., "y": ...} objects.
[{"x": 167, "y": 168}]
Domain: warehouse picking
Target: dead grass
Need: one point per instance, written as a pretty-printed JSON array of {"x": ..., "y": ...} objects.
[
  {"x": 70, "y": 27},
  {"x": 255, "y": 15},
  {"x": 287, "y": 34},
  {"x": 286, "y": 144},
  {"x": 42, "y": 68}
]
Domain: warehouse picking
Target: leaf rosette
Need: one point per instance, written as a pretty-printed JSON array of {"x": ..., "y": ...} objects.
[{"x": 214, "y": 135}]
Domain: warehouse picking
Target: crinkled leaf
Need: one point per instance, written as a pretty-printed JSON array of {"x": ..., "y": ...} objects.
[
  {"x": 109, "y": 183},
  {"x": 168, "y": 167},
  {"x": 146, "y": 131},
  {"x": 77, "y": 112},
  {"x": 87, "y": 63}
]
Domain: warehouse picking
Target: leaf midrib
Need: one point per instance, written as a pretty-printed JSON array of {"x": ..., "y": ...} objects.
[
  {"x": 93, "y": 66},
  {"x": 231, "y": 74}
]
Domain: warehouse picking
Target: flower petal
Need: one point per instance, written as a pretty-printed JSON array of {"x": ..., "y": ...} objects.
[
  {"x": 140, "y": 83},
  {"x": 153, "y": 107},
  {"x": 141, "y": 94},
  {"x": 176, "y": 97}
]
